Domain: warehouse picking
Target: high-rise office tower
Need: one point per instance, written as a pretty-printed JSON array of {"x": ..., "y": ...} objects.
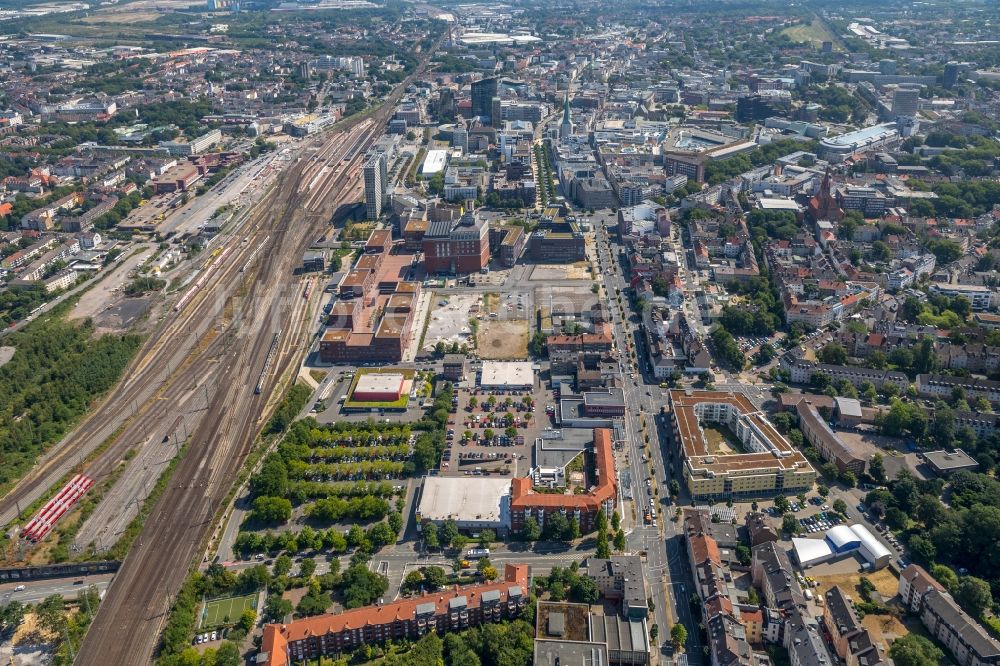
[
  {"x": 483, "y": 92},
  {"x": 951, "y": 71},
  {"x": 460, "y": 137},
  {"x": 904, "y": 101},
  {"x": 376, "y": 173}
]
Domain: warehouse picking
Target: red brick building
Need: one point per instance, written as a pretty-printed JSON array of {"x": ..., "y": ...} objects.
[
  {"x": 525, "y": 503},
  {"x": 456, "y": 248},
  {"x": 448, "y": 610}
]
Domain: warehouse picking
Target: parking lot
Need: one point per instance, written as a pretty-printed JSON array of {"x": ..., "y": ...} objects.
[{"x": 478, "y": 437}]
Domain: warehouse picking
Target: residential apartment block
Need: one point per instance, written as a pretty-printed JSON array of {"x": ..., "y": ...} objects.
[
  {"x": 969, "y": 643},
  {"x": 447, "y": 610},
  {"x": 769, "y": 465},
  {"x": 526, "y": 503}
]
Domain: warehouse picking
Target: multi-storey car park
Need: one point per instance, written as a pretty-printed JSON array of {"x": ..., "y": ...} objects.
[{"x": 768, "y": 464}]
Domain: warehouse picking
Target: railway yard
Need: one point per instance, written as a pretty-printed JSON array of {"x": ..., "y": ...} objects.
[{"x": 208, "y": 376}]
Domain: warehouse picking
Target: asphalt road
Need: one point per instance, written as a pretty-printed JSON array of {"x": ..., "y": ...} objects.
[
  {"x": 37, "y": 590},
  {"x": 669, "y": 578}
]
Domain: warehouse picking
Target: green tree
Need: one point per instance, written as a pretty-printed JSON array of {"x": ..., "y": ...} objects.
[
  {"x": 840, "y": 506},
  {"x": 307, "y": 567},
  {"x": 915, "y": 650},
  {"x": 619, "y": 542},
  {"x": 973, "y": 594},
  {"x": 228, "y": 654},
  {"x": 584, "y": 590},
  {"x": 276, "y": 608},
  {"x": 448, "y": 532},
  {"x": 789, "y": 524},
  {"x": 603, "y": 549},
  {"x": 945, "y": 575},
  {"x": 270, "y": 510},
  {"x": 556, "y": 526},
  {"x": 431, "y": 536},
  {"x": 531, "y": 531},
  {"x": 876, "y": 467},
  {"x": 678, "y": 636},
  {"x": 247, "y": 620},
  {"x": 833, "y": 353},
  {"x": 361, "y": 587},
  {"x": 282, "y": 565}
]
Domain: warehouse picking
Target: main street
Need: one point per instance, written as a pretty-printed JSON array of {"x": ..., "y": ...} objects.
[{"x": 669, "y": 575}]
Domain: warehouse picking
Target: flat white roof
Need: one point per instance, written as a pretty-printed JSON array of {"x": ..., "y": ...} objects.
[
  {"x": 434, "y": 162},
  {"x": 507, "y": 373},
  {"x": 465, "y": 499},
  {"x": 768, "y": 203},
  {"x": 379, "y": 382},
  {"x": 811, "y": 551}
]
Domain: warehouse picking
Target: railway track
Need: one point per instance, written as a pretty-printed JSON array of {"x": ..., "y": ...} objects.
[
  {"x": 177, "y": 525},
  {"x": 153, "y": 381},
  {"x": 127, "y": 627}
]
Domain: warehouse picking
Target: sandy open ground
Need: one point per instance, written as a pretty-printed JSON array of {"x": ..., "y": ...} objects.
[
  {"x": 553, "y": 272},
  {"x": 503, "y": 340},
  {"x": 886, "y": 584}
]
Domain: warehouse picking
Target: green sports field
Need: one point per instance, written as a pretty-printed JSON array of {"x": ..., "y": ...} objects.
[{"x": 217, "y": 610}]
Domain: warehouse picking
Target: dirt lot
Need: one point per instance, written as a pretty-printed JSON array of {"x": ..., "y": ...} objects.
[
  {"x": 105, "y": 303},
  {"x": 555, "y": 272},
  {"x": 884, "y": 628},
  {"x": 884, "y": 582},
  {"x": 503, "y": 340},
  {"x": 6, "y": 353}
]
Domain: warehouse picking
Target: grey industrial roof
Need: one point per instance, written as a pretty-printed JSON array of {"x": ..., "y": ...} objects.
[
  {"x": 613, "y": 396},
  {"x": 949, "y": 460},
  {"x": 465, "y": 499},
  {"x": 848, "y": 407},
  {"x": 569, "y": 653}
]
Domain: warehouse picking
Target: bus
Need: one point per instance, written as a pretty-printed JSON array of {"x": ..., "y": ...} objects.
[{"x": 477, "y": 553}]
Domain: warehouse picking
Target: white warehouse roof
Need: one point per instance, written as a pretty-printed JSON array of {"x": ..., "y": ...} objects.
[
  {"x": 434, "y": 162},
  {"x": 507, "y": 374},
  {"x": 842, "y": 538},
  {"x": 478, "y": 502},
  {"x": 872, "y": 549},
  {"x": 811, "y": 551}
]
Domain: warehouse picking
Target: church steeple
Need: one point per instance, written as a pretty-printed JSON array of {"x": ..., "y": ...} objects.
[{"x": 566, "y": 128}]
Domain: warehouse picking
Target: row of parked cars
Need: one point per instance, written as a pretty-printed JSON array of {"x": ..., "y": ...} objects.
[
  {"x": 206, "y": 638},
  {"x": 820, "y": 522}
]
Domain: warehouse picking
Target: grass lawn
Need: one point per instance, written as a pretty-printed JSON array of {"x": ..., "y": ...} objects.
[
  {"x": 814, "y": 33},
  {"x": 217, "y": 610},
  {"x": 721, "y": 440}
]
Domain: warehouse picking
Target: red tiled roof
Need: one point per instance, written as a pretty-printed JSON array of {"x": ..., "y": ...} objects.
[
  {"x": 522, "y": 497},
  {"x": 278, "y": 636}
]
